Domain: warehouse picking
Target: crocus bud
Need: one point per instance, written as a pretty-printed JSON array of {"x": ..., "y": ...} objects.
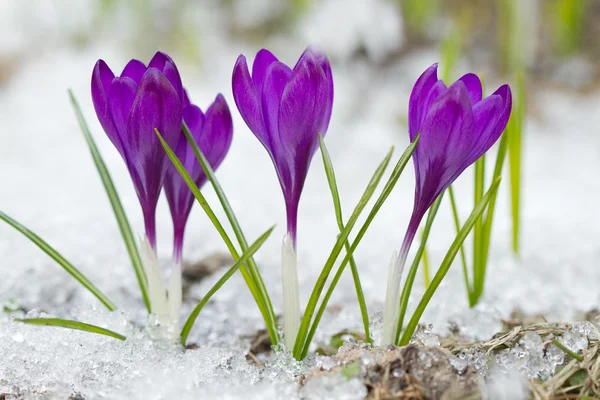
[
  {"x": 286, "y": 109},
  {"x": 456, "y": 128},
  {"x": 213, "y": 132},
  {"x": 129, "y": 108}
]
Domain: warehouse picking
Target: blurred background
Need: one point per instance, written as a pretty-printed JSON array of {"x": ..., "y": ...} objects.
[{"x": 546, "y": 49}]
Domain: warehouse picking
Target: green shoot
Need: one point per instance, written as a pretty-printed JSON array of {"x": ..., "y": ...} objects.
[
  {"x": 569, "y": 15},
  {"x": 514, "y": 132},
  {"x": 187, "y": 327},
  {"x": 304, "y": 339},
  {"x": 115, "y": 202},
  {"x": 56, "y": 256},
  {"x": 445, "y": 266},
  {"x": 271, "y": 327},
  {"x": 426, "y": 276},
  {"x": 567, "y": 350},
  {"x": 69, "y": 324},
  {"x": 340, "y": 221}
]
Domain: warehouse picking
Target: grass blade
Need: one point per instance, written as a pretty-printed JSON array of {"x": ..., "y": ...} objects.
[
  {"x": 251, "y": 264},
  {"x": 412, "y": 272},
  {"x": 217, "y": 224},
  {"x": 463, "y": 257},
  {"x": 340, "y": 221},
  {"x": 478, "y": 284},
  {"x": 115, "y": 203},
  {"x": 445, "y": 266},
  {"x": 389, "y": 186},
  {"x": 515, "y": 140},
  {"x": 478, "y": 227},
  {"x": 187, "y": 327},
  {"x": 69, "y": 324},
  {"x": 56, "y": 256},
  {"x": 426, "y": 274}
]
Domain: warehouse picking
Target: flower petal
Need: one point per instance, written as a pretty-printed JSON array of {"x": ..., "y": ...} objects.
[
  {"x": 247, "y": 100},
  {"x": 134, "y": 70},
  {"x": 301, "y": 112},
  {"x": 120, "y": 99},
  {"x": 474, "y": 88},
  {"x": 485, "y": 115},
  {"x": 156, "y": 105},
  {"x": 419, "y": 94},
  {"x": 102, "y": 78},
  {"x": 165, "y": 64},
  {"x": 217, "y": 133},
  {"x": 442, "y": 146},
  {"x": 276, "y": 79},
  {"x": 264, "y": 58},
  {"x": 326, "y": 66}
]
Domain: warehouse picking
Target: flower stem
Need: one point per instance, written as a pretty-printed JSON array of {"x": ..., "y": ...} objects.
[
  {"x": 291, "y": 295},
  {"x": 150, "y": 225}
]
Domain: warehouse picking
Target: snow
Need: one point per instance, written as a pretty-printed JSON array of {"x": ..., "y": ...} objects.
[{"x": 51, "y": 186}]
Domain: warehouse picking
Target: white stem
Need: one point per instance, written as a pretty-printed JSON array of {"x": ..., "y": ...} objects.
[
  {"x": 175, "y": 295},
  {"x": 391, "y": 312},
  {"x": 291, "y": 295},
  {"x": 156, "y": 286}
]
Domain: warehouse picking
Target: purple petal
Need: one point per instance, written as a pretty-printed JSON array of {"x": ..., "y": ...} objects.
[
  {"x": 264, "y": 58},
  {"x": 324, "y": 63},
  {"x": 247, "y": 100},
  {"x": 443, "y": 144},
  {"x": 165, "y": 64},
  {"x": 473, "y": 85},
  {"x": 276, "y": 79},
  {"x": 186, "y": 98},
  {"x": 485, "y": 116},
  {"x": 156, "y": 105},
  {"x": 134, "y": 70},
  {"x": 302, "y": 109},
  {"x": 417, "y": 99},
  {"x": 120, "y": 99},
  {"x": 102, "y": 78},
  {"x": 217, "y": 133}
]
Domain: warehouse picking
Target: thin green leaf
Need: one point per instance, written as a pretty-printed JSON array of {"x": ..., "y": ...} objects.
[
  {"x": 389, "y": 186},
  {"x": 69, "y": 324},
  {"x": 515, "y": 140},
  {"x": 478, "y": 228},
  {"x": 463, "y": 257},
  {"x": 187, "y": 327},
  {"x": 217, "y": 224},
  {"x": 478, "y": 284},
  {"x": 567, "y": 350},
  {"x": 412, "y": 272},
  {"x": 426, "y": 274},
  {"x": 56, "y": 256},
  {"x": 239, "y": 234},
  {"x": 115, "y": 202},
  {"x": 340, "y": 221},
  {"x": 445, "y": 266}
]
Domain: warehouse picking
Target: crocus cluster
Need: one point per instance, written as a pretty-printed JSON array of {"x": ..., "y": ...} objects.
[
  {"x": 286, "y": 109},
  {"x": 130, "y": 107},
  {"x": 456, "y": 127}
]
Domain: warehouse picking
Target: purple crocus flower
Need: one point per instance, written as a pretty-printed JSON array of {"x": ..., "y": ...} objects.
[
  {"x": 129, "y": 108},
  {"x": 456, "y": 128},
  {"x": 286, "y": 109},
  {"x": 213, "y": 132}
]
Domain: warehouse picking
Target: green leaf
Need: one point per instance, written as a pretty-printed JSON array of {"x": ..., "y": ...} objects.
[
  {"x": 340, "y": 221},
  {"x": 56, "y": 256},
  {"x": 243, "y": 259},
  {"x": 252, "y": 267},
  {"x": 303, "y": 341},
  {"x": 69, "y": 324},
  {"x": 479, "y": 269},
  {"x": 515, "y": 140},
  {"x": 564, "y": 348},
  {"x": 463, "y": 257},
  {"x": 445, "y": 266},
  {"x": 213, "y": 218},
  {"x": 426, "y": 274},
  {"x": 115, "y": 203}
]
